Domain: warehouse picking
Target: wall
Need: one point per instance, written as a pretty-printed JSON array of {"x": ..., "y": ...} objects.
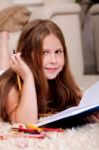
[{"x": 84, "y": 80}]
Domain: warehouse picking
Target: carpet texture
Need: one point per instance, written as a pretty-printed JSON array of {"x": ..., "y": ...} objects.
[{"x": 81, "y": 138}]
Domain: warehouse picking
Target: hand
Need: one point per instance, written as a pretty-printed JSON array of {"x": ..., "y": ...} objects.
[
  {"x": 93, "y": 117},
  {"x": 20, "y": 67}
]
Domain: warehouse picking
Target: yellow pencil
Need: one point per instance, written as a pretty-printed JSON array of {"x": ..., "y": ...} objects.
[
  {"x": 32, "y": 126},
  {"x": 18, "y": 78},
  {"x": 19, "y": 82}
]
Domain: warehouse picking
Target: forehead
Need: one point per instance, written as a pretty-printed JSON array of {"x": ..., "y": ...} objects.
[{"x": 51, "y": 41}]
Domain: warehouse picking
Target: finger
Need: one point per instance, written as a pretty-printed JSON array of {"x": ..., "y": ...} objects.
[
  {"x": 89, "y": 119},
  {"x": 97, "y": 114},
  {"x": 18, "y": 58},
  {"x": 93, "y": 118},
  {"x": 13, "y": 59},
  {"x": 14, "y": 63}
]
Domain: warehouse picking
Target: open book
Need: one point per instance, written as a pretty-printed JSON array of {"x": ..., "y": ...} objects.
[{"x": 75, "y": 115}]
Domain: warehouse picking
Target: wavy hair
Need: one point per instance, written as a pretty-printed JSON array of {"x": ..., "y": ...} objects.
[{"x": 54, "y": 95}]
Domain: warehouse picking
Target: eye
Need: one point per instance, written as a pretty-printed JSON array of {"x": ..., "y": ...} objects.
[
  {"x": 45, "y": 52},
  {"x": 59, "y": 51}
]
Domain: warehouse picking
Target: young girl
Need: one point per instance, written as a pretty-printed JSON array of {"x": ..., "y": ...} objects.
[{"x": 47, "y": 85}]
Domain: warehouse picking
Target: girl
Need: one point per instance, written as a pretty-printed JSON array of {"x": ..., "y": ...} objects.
[{"x": 47, "y": 85}]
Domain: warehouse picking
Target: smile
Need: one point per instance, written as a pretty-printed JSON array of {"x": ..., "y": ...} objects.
[{"x": 51, "y": 70}]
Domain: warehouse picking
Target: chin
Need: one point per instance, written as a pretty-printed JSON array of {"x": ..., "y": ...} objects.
[{"x": 51, "y": 78}]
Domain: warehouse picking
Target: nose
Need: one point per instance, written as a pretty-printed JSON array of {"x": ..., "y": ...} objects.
[{"x": 53, "y": 58}]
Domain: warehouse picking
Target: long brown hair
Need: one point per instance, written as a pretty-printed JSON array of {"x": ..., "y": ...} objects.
[{"x": 54, "y": 95}]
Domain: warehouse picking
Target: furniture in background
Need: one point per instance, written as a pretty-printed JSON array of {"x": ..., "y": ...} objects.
[
  {"x": 66, "y": 15},
  {"x": 94, "y": 11}
]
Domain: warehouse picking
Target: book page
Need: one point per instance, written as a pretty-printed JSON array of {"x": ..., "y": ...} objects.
[
  {"x": 89, "y": 101},
  {"x": 91, "y": 96}
]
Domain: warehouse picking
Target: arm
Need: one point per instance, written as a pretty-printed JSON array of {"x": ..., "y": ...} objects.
[
  {"x": 26, "y": 110},
  {"x": 4, "y": 55}
]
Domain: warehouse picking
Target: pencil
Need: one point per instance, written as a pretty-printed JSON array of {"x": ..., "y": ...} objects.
[
  {"x": 18, "y": 78},
  {"x": 34, "y": 127},
  {"x": 19, "y": 82}
]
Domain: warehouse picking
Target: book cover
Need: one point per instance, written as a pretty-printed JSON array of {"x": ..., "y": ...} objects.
[{"x": 75, "y": 116}]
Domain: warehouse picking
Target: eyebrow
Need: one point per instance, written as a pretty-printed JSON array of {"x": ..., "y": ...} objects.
[{"x": 55, "y": 49}]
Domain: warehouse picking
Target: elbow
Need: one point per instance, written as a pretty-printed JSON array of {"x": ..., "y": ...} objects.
[{"x": 24, "y": 119}]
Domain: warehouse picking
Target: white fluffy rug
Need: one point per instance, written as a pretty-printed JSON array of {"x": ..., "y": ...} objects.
[{"x": 83, "y": 138}]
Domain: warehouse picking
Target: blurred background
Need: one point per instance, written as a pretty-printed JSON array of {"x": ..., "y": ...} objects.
[{"x": 79, "y": 21}]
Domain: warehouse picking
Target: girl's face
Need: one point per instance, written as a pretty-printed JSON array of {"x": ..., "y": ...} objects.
[{"x": 53, "y": 56}]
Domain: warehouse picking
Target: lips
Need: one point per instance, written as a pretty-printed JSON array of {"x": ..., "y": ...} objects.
[{"x": 51, "y": 69}]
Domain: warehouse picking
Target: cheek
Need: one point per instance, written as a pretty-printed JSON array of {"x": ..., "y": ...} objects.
[
  {"x": 62, "y": 61},
  {"x": 44, "y": 61}
]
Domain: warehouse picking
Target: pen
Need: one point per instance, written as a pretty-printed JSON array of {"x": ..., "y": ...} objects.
[{"x": 18, "y": 78}]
